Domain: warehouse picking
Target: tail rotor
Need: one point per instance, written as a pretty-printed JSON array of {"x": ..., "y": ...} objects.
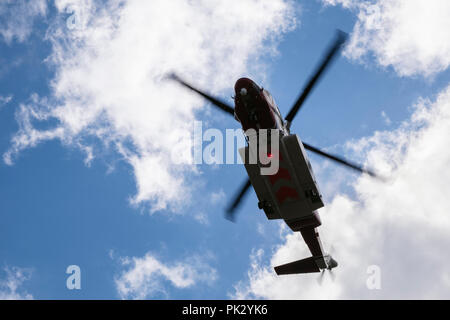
[{"x": 329, "y": 270}]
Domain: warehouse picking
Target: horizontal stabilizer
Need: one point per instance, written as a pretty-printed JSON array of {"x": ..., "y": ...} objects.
[{"x": 307, "y": 265}]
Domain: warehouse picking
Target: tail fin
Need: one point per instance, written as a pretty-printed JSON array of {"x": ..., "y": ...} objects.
[{"x": 307, "y": 265}]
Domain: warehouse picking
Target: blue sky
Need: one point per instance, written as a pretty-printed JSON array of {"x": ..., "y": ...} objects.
[{"x": 98, "y": 189}]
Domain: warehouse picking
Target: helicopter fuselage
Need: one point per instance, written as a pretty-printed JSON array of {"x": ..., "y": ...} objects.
[{"x": 291, "y": 193}]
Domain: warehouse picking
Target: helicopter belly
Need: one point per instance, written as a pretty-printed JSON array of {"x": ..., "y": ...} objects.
[{"x": 291, "y": 193}]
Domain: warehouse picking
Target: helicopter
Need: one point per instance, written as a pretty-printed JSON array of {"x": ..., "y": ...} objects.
[{"x": 291, "y": 193}]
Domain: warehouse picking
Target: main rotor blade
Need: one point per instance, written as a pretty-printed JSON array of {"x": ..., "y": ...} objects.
[
  {"x": 221, "y": 105},
  {"x": 231, "y": 210},
  {"x": 340, "y": 160},
  {"x": 341, "y": 37}
]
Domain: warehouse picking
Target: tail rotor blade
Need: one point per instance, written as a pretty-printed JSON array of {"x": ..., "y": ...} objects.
[
  {"x": 216, "y": 102},
  {"x": 326, "y": 62},
  {"x": 340, "y": 160},
  {"x": 332, "y": 275},
  {"x": 320, "y": 277},
  {"x": 231, "y": 210}
]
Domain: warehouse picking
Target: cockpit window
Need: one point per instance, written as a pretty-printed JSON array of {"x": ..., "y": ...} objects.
[
  {"x": 274, "y": 107},
  {"x": 272, "y": 102}
]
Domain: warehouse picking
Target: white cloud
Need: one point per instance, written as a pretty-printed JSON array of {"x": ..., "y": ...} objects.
[
  {"x": 217, "y": 196},
  {"x": 110, "y": 61},
  {"x": 386, "y": 118},
  {"x": 202, "y": 218},
  {"x": 5, "y": 100},
  {"x": 146, "y": 276},
  {"x": 9, "y": 286},
  {"x": 409, "y": 35},
  {"x": 344, "y": 3},
  {"x": 402, "y": 226},
  {"x": 260, "y": 229},
  {"x": 17, "y": 18},
  {"x": 27, "y": 135}
]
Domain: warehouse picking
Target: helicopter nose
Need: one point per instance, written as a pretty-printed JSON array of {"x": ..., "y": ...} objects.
[{"x": 243, "y": 86}]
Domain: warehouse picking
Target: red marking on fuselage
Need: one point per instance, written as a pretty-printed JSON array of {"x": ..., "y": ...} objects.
[
  {"x": 282, "y": 173},
  {"x": 286, "y": 192},
  {"x": 283, "y": 192}
]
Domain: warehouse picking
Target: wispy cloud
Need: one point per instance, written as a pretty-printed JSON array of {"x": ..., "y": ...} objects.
[
  {"x": 5, "y": 100},
  {"x": 147, "y": 276},
  {"x": 11, "y": 283},
  {"x": 409, "y": 35},
  {"x": 386, "y": 118},
  {"x": 402, "y": 225},
  {"x": 217, "y": 196},
  {"x": 17, "y": 18}
]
